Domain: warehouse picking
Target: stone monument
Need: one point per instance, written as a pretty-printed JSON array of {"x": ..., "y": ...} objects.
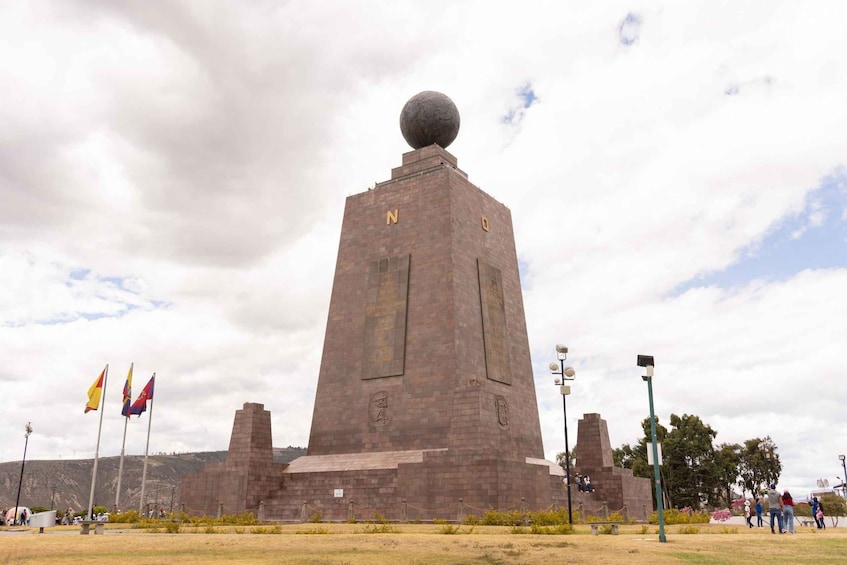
[{"x": 425, "y": 405}]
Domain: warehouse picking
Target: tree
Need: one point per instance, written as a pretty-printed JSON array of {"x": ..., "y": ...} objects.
[
  {"x": 693, "y": 470},
  {"x": 727, "y": 463},
  {"x": 635, "y": 457},
  {"x": 759, "y": 465},
  {"x": 689, "y": 462},
  {"x": 560, "y": 458}
]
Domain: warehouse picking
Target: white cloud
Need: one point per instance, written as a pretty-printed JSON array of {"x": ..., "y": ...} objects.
[{"x": 172, "y": 182}]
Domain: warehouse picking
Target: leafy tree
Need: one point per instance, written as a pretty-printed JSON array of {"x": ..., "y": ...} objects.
[
  {"x": 834, "y": 506},
  {"x": 693, "y": 470},
  {"x": 635, "y": 457},
  {"x": 759, "y": 464},
  {"x": 727, "y": 464},
  {"x": 689, "y": 461},
  {"x": 560, "y": 458}
]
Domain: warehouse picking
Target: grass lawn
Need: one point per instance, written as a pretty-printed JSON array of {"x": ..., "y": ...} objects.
[{"x": 358, "y": 544}]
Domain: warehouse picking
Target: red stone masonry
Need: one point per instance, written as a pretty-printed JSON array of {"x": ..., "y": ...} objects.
[{"x": 443, "y": 398}]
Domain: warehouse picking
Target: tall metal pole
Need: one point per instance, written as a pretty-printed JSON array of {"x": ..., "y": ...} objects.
[
  {"x": 659, "y": 501},
  {"x": 844, "y": 466},
  {"x": 567, "y": 455},
  {"x": 23, "y": 462},
  {"x": 567, "y": 374}
]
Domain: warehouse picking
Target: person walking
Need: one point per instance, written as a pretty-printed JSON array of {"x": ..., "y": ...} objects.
[
  {"x": 759, "y": 522},
  {"x": 819, "y": 516},
  {"x": 788, "y": 512},
  {"x": 814, "y": 505},
  {"x": 748, "y": 513},
  {"x": 775, "y": 508}
]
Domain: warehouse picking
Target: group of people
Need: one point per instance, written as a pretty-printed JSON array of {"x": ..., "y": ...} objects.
[
  {"x": 781, "y": 510},
  {"x": 583, "y": 483},
  {"x": 9, "y": 518},
  {"x": 749, "y": 512}
]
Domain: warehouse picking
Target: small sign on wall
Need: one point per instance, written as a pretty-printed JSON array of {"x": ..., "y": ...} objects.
[{"x": 339, "y": 493}]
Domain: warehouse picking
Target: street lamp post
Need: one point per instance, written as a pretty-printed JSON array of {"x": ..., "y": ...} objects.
[
  {"x": 28, "y": 429},
  {"x": 844, "y": 466},
  {"x": 647, "y": 362},
  {"x": 567, "y": 374}
]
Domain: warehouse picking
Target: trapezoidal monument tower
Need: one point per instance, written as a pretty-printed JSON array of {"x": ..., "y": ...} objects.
[{"x": 425, "y": 394}]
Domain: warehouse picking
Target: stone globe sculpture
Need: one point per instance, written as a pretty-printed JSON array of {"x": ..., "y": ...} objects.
[{"x": 429, "y": 117}]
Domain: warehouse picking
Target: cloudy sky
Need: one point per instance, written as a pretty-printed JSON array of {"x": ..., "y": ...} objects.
[{"x": 173, "y": 176}]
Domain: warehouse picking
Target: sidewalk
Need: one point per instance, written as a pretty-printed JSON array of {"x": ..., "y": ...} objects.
[{"x": 740, "y": 521}]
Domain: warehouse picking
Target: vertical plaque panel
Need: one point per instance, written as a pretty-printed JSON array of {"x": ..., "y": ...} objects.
[
  {"x": 495, "y": 336},
  {"x": 385, "y": 317}
]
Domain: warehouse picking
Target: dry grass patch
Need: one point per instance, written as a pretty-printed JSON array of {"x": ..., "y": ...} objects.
[{"x": 350, "y": 544}]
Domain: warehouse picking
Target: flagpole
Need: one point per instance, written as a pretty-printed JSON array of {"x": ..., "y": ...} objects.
[
  {"x": 146, "y": 450},
  {"x": 97, "y": 449},
  {"x": 123, "y": 445},
  {"x": 121, "y": 468}
]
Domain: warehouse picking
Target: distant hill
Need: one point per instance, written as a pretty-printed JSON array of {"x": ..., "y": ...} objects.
[{"x": 66, "y": 483}]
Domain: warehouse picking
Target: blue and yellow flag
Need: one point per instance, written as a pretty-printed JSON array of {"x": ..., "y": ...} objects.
[{"x": 127, "y": 393}]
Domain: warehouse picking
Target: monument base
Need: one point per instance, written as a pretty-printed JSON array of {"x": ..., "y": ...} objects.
[
  {"x": 405, "y": 486},
  {"x": 422, "y": 485}
]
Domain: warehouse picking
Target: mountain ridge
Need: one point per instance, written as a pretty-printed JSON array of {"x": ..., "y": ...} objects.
[{"x": 64, "y": 483}]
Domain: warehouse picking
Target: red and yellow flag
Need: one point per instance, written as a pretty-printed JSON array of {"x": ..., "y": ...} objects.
[{"x": 94, "y": 393}]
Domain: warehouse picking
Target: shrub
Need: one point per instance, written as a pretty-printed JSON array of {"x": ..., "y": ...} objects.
[
  {"x": 449, "y": 529},
  {"x": 674, "y": 516},
  {"x": 243, "y": 519},
  {"x": 128, "y": 517},
  {"x": 263, "y": 530},
  {"x": 511, "y": 518},
  {"x": 558, "y": 529},
  {"x": 722, "y": 515},
  {"x": 472, "y": 520},
  {"x": 550, "y": 517},
  {"x": 688, "y": 530},
  {"x": 172, "y": 527},
  {"x": 379, "y": 528},
  {"x": 314, "y": 531}
]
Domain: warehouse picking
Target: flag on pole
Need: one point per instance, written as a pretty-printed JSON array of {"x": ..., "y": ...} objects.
[
  {"x": 127, "y": 393},
  {"x": 140, "y": 404},
  {"x": 94, "y": 393}
]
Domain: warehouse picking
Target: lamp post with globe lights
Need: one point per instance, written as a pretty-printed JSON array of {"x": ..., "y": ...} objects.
[
  {"x": 566, "y": 374},
  {"x": 28, "y": 429},
  {"x": 648, "y": 363}
]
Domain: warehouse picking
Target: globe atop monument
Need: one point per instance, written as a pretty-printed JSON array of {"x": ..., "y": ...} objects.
[{"x": 429, "y": 117}]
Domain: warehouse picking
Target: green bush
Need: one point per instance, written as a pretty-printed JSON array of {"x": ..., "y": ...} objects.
[
  {"x": 674, "y": 516},
  {"x": 558, "y": 529},
  {"x": 172, "y": 527},
  {"x": 472, "y": 520},
  {"x": 498, "y": 518},
  {"x": 128, "y": 517},
  {"x": 551, "y": 517}
]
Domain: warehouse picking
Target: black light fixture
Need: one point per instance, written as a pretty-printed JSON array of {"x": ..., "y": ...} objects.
[{"x": 566, "y": 374}]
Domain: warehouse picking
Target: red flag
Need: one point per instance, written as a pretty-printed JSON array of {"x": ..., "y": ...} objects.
[{"x": 140, "y": 404}]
